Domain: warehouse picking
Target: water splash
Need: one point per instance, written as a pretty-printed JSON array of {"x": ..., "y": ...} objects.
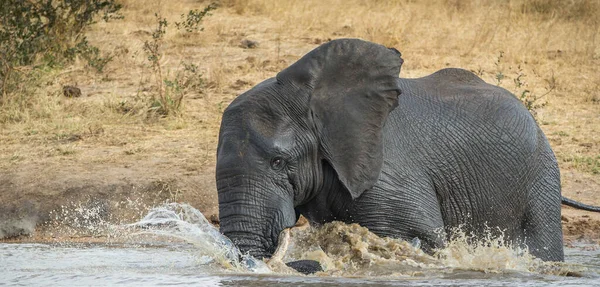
[
  {"x": 183, "y": 222},
  {"x": 92, "y": 219},
  {"x": 350, "y": 250},
  {"x": 341, "y": 249},
  {"x": 490, "y": 254},
  {"x": 493, "y": 254}
]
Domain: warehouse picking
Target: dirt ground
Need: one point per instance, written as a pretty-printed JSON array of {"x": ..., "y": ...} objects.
[{"x": 102, "y": 152}]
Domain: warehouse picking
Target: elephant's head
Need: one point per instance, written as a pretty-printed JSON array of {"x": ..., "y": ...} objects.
[{"x": 327, "y": 108}]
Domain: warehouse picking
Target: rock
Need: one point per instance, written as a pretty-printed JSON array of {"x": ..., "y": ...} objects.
[
  {"x": 306, "y": 267},
  {"x": 71, "y": 91},
  {"x": 18, "y": 219},
  {"x": 248, "y": 44}
]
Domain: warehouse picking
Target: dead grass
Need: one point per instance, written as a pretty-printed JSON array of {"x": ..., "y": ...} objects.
[{"x": 548, "y": 39}]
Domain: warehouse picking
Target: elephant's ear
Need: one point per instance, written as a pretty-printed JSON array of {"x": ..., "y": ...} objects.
[{"x": 352, "y": 86}]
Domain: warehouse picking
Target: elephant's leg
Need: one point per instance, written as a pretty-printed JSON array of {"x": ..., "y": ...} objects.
[
  {"x": 406, "y": 212},
  {"x": 542, "y": 224}
]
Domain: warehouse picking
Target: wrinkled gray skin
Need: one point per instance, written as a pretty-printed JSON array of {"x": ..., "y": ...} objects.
[{"x": 338, "y": 136}]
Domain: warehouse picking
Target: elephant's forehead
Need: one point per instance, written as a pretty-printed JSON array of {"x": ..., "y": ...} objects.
[
  {"x": 257, "y": 126},
  {"x": 270, "y": 132},
  {"x": 263, "y": 115}
]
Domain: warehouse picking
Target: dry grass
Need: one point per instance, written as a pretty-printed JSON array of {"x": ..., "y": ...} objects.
[{"x": 551, "y": 40}]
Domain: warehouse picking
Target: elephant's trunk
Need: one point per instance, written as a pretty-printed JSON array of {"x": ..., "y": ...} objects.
[
  {"x": 252, "y": 215},
  {"x": 248, "y": 236}
]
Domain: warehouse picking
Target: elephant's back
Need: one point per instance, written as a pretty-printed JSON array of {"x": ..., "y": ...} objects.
[
  {"x": 454, "y": 105},
  {"x": 468, "y": 137},
  {"x": 457, "y": 94}
]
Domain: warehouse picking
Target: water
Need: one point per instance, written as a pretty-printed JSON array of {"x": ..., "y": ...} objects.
[{"x": 175, "y": 245}]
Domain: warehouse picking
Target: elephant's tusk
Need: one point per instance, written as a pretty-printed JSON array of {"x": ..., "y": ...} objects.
[
  {"x": 301, "y": 224},
  {"x": 282, "y": 246},
  {"x": 284, "y": 239}
]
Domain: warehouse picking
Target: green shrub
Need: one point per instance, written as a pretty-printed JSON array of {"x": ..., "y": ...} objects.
[
  {"x": 171, "y": 90},
  {"x": 531, "y": 101},
  {"x": 48, "y": 32},
  {"x": 191, "y": 22}
]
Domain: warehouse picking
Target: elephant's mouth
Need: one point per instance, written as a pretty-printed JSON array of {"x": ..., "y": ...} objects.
[
  {"x": 269, "y": 249},
  {"x": 302, "y": 266},
  {"x": 285, "y": 239},
  {"x": 282, "y": 246}
]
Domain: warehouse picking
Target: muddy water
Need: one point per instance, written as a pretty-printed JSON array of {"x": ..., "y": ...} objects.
[{"x": 175, "y": 245}]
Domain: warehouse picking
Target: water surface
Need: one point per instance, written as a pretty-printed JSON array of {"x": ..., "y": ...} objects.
[{"x": 175, "y": 245}]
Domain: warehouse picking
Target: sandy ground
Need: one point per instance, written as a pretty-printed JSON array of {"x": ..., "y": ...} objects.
[
  {"x": 36, "y": 198},
  {"x": 89, "y": 156}
]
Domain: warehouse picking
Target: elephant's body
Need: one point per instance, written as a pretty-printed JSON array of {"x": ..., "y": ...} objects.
[
  {"x": 459, "y": 152},
  {"x": 338, "y": 136}
]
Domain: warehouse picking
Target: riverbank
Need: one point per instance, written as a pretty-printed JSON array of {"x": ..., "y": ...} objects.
[{"x": 103, "y": 153}]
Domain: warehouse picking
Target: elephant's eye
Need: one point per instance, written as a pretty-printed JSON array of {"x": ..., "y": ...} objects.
[{"x": 277, "y": 163}]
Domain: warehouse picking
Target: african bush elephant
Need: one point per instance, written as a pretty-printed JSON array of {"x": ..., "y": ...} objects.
[{"x": 339, "y": 136}]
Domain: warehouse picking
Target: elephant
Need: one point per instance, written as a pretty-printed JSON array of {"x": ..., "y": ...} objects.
[{"x": 339, "y": 136}]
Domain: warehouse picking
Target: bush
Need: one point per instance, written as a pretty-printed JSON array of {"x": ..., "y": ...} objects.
[
  {"x": 192, "y": 21},
  {"x": 48, "y": 31},
  {"x": 171, "y": 90},
  {"x": 531, "y": 101}
]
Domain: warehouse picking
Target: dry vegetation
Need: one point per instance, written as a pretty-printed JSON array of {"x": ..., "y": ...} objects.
[{"x": 54, "y": 148}]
